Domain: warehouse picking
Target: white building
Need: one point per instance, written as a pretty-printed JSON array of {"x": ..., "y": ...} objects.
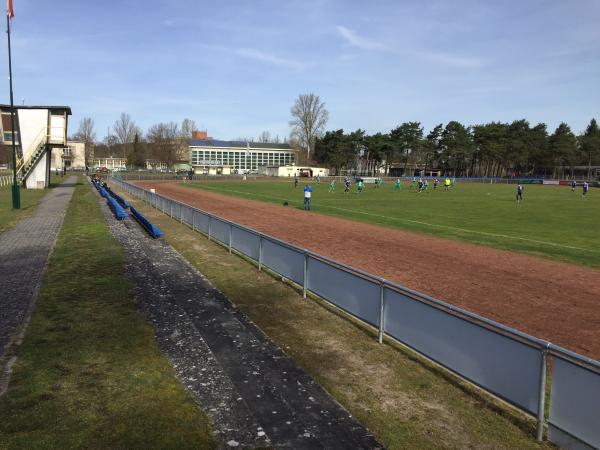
[
  {"x": 70, "y": 157},
  {"x": 214, "y": 156},
  {"x": 38, "y": 130},
  {"x": 110, "y": 163},
  {"x": 293, "y": 171}
]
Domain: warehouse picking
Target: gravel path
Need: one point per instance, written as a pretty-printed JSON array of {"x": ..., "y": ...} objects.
[
  {"x": 24, "y": 252},
  {"x": 255, "y": 394}
]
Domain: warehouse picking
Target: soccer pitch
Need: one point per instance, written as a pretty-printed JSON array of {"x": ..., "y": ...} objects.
[{"x": 552, "y": 221}]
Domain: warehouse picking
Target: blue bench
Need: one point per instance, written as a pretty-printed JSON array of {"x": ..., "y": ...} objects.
[
  {"x": 154, "y": 231},
  {"x": 118, "y": 198},
  {"x": 118, "y": 211}
]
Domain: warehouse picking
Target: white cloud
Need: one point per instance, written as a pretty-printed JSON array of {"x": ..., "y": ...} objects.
[
  {"x": 446, "y": 59},
  {"x": 358, "y": 41},
  {"x": 268, "y": 58}
]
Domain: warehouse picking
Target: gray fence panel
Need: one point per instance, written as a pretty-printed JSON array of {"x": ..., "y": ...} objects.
[
  {"x": 245, "y": 242},
  {"x": 219, "y": 230},
  {"x": 574, "y": 405},
  {"x": 504, "y": 366},
  {"x": 187, "y": 215},
  {"x": 176, "y": 210},
  {"x": 201, "y": 221},
  {"x": 283, "y": 260},
  {"x": 350, "y": 292}
]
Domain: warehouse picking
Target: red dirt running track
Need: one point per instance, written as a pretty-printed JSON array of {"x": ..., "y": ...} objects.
[{"x": 552, "y": 300}]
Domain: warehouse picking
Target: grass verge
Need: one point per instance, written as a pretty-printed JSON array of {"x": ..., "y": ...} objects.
[
  {"x": 405, "y": 401},
  {"x": 89, "y": 373},
  {"x": 29, "y": 200}
]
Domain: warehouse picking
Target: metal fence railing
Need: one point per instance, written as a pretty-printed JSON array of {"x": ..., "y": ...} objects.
[
  {"x": 503, "y": 361},
  {"x": 6, "y": 180}
]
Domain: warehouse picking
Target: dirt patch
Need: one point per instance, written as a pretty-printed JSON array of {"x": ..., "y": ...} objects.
[{"x": 548, "y": 299}]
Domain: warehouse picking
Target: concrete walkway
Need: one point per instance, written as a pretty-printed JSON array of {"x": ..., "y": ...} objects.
[
  {"x": 24, "y": 252},
  {"x": 255, "y": 394}
]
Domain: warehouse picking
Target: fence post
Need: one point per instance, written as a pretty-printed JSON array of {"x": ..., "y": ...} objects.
[
  {"x": 181, "y": 213},
  {"x": 305, "y": 283},
  {"x": 542, "y": 399},
  {"x": 381, "y": 310},
  {"x": 193, "y": 220},
  {"x": 171, "y": 203},
  {"x": 260, "y": 251},
  {"x": 230, "y": 228},
  {"x": 209, "y": 224}
]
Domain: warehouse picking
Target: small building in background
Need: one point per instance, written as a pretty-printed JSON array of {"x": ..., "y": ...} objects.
[
  {"x": 111, "y": 163},
  {"x": 293, "y": 171},
  {"x": 70, "y": 157},
  {"x": 38, "y": 130}
]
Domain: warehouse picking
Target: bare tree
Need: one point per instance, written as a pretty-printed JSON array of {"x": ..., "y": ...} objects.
[
  {"x": 87, "y": 135},
  {"x": 309, "y": 118},
  {"x": 165, "y": 142},
  {"x": 188, "y": 126},
  {"x": 264, "y": 137},
  {"x": 125, "y": 130}
]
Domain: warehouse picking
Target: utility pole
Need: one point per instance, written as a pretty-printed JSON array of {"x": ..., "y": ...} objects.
[{"x": 16, "y": 195}]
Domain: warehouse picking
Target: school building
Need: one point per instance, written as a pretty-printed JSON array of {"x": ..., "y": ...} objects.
[{"x": 212, "y": 156}]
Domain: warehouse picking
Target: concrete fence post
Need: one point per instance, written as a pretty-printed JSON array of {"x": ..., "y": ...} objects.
[
  {"x": 542, "y": 397},
  {"x": 230, "y": 232},
  {"x": 381, "y": 310},
  {"x": 305, "y": 282},
  {"x": 260, "y": 251}
]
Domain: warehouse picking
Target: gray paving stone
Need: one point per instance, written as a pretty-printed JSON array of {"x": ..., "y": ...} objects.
[{"x": 24, "y": 252}]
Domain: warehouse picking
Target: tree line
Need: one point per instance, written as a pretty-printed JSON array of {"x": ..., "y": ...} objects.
[
  {"x": 492, "y": 149},
  {"x": 163, "y": 143}
]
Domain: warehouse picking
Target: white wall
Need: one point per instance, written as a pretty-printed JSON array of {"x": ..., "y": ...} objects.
[
  {"x": 38, "y": 177},
  {"x": 31, "y": 123}
]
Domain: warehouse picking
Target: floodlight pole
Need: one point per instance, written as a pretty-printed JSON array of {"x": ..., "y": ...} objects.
[{"x": 16, "y": 197}]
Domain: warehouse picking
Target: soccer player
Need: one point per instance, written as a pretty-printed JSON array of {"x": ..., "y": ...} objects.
[
  {"x": 398, "y": 185},
  {"x": 573, "y": 185},
  {"x": 307, "y": 197},
  {"x": 447, "y": 184},
  {"x": 318, "y": 180},
  {"x": 295, "y": 181},
  {"x": 360, "y": 185},
  {"x": 519, "y": 193},
  {"x": 421, "y": 184},
  {"x": 435, "y": 183},
  {"x": 332, "y": 185},
  {"x": 586, "y": 188},
  {"x": 426, "y": 185},
  {"x": 413, "y": 184},
  {"x": 346, "y": 185}
]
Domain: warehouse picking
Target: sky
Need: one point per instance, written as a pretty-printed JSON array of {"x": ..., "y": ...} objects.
[{"x": 236, "y": 67}]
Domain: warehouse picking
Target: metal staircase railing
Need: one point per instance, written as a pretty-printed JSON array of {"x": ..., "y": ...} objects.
[{"x": 28, "y": 160}]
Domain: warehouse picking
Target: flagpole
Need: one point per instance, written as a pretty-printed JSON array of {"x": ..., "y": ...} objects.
[{"x": 16, "y": 197}]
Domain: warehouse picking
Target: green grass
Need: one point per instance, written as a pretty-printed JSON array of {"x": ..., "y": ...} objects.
[
  {"x": 89, "y": 373},
  {"x": 404, "y": 400},
  {"x": 552, "y": 221},
  {"x": 29, "y": 200}
]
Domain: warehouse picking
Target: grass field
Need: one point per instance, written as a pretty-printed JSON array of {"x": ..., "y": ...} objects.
[
  {"x": 89, "y": 373},
  {"x": 552, "y": 221}
]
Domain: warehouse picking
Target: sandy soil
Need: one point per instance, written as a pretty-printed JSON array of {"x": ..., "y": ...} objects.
[{"x": 556, "y": 301}]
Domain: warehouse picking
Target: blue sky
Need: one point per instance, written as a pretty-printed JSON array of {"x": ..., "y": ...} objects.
[{"x": 235, "y": 67}]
